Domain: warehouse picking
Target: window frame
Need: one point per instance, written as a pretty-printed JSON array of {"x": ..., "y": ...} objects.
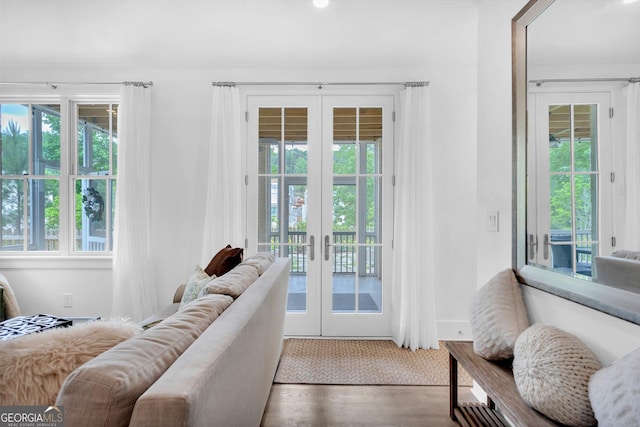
[{"x": 68, "y": 100}]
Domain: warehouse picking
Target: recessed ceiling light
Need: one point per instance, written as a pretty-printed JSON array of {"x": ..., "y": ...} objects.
[
  {"x": 320, "y": 3},
  {"x": 629, "y": 1}
]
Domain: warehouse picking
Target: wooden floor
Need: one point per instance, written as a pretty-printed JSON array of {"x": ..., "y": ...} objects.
[{"x": 342, "y": 405}]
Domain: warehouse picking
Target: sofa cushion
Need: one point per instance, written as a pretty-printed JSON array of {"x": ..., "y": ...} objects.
[
  {"x": 33, "y": 367},
  {"x": 104, "y": 390},
  {"x": 225, "y": 260},
  {"x": 614, "y": 392},
  {"x": 625, "y": 253},
  {"x": 196, "y": 282},
  {"x": 498, "y": 316},
  {"x": 552, "y": 369},
  {"x": 260, "y": 260},
  {"x": 234, "y": 283},
  {"x": 159, "y": 316}
]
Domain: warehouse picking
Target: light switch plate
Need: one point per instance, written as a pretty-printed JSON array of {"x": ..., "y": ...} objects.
[{"x": 492, "y": 221}]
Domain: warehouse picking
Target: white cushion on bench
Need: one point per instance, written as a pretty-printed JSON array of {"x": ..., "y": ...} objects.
[
  {"x": 498, "y": 316},
  {"x": 615, "y": 392}
]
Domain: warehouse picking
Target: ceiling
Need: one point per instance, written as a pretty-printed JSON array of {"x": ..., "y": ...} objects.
[
  {"x": 292, "y": 34},
  {"x": 225, "y": 33},
  {"x": 585, "y": 32}
]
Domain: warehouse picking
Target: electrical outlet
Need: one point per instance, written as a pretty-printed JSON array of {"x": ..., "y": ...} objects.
[
  {"x": 492, "y": 221},
  {"x": 68, "y": 300}
]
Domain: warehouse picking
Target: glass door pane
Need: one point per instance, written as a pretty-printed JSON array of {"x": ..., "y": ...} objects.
[
  {"x": 354, "y": 302},
  {"x": 573, "y": 191},
  {"x": 282, "y": 192}
]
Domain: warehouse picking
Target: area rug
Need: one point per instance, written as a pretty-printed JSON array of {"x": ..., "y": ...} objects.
[
  {"x": 362, "y": 362},
  {"x": 341, "y": 302}
]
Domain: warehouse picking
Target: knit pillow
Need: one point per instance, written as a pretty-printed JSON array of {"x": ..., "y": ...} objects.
[
  {"x": 552, "y": 369},
  {"x": 615, "y": 392},
  {"x": 498, "y": 316}
]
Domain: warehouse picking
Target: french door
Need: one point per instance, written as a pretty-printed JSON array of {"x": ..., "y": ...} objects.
[
  {"x": 570, "y": 192},
  {"x": 319, "y": 192}
]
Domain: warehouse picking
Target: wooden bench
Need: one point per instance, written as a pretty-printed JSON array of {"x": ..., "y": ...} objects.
[{"x": 496, "y": 379}]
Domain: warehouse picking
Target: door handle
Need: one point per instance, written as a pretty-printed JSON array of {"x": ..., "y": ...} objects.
[
  {"x": 545, "y": 250},
  {"x": 532, "y": 245},
  {"x": 326, "y": 247},
  {"x": 312, "y": 247}
]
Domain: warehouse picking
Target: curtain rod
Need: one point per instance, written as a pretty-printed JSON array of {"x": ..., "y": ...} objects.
[
  {"x": 54, "y": 85},
  {"x": 320, "y": 85},
  {"x": 613, "y": 79}
]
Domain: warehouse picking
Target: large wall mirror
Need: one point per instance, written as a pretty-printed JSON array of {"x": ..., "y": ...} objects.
[{"x": 576, "y": 83}]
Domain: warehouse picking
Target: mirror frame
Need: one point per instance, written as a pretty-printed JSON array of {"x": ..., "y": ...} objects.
[{"x": 618, "y": 303}]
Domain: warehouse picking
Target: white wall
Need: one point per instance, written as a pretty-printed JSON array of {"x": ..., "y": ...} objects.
[{"x": 494, "y": 135}]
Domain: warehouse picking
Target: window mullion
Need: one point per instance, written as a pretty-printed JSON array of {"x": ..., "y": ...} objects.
[{"x": 65, "y": 168}]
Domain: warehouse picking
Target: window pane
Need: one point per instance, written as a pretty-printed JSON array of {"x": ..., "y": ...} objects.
[
  {"x": 44, "y": 215},
  {"x": 585, "y": 204},
  {"x": 269, "y": 137},
  {"x": 297, "y": 209},
  {"x": 344, "y": 141},
  {"x": 372, "y": 205},
  {"x": 14, "y": 121},
  {"x": 560, "y": 203},
  {"x": 12, "y": 214},
  {"x": 560, "y": 138},
  {"x": 90, "y": 215},
  {"x": 295, "y": 140},
  {"x": 344, "y": 208},
  {"x": 114, "y": 145},
  {"x": 46, "y": 139},
  {"x": 42, "y": 200},
  {"x": 369, "y": 282},
  {"x": 268, "y": 214},
  {"x": 113, "y": 213},
  {"x": 94, "y": 127},
  {"x": 585, "y": 136},
  {"x": 371, "y": 134}
]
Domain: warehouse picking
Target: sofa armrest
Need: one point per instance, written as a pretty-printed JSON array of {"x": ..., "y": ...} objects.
[{"x": 177, "y": 297}]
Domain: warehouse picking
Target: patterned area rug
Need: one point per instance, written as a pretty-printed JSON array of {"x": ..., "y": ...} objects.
[{"x": 362, "y": 362}]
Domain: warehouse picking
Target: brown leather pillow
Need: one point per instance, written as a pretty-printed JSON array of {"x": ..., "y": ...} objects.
[{"x": 224, "y": 261}]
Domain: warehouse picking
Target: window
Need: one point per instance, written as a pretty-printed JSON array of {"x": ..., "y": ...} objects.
[{"x": 58, "y": 176}]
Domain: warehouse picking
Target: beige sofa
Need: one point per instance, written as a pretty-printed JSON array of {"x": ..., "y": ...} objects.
[{"x": 211, "y": 363}]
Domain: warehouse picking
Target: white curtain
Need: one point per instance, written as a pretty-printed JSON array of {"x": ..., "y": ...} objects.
[
  {"x": 224, "y": 188},
  {"x": 413, "y": 305},
  {"x": 134, "y": 295},
  {"x": 632, "y": 167}
]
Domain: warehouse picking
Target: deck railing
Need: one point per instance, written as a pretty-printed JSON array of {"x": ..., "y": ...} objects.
[
  {"x": 347, "y": 255},
  {"x": 52, "y": 243}
]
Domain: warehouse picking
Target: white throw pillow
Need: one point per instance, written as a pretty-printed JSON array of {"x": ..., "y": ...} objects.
[
  {"x": 614, "y": 392},
  {"x": 197, "y": 280},
  {"x": 552, "y": 369},
  {"x": 498, "y": 316}
]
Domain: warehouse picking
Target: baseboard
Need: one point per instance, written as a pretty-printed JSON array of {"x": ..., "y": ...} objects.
[{"x": 454, "y": 330}]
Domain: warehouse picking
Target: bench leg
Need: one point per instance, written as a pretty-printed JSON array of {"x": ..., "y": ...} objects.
[{"x": 453, "y": 386}]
